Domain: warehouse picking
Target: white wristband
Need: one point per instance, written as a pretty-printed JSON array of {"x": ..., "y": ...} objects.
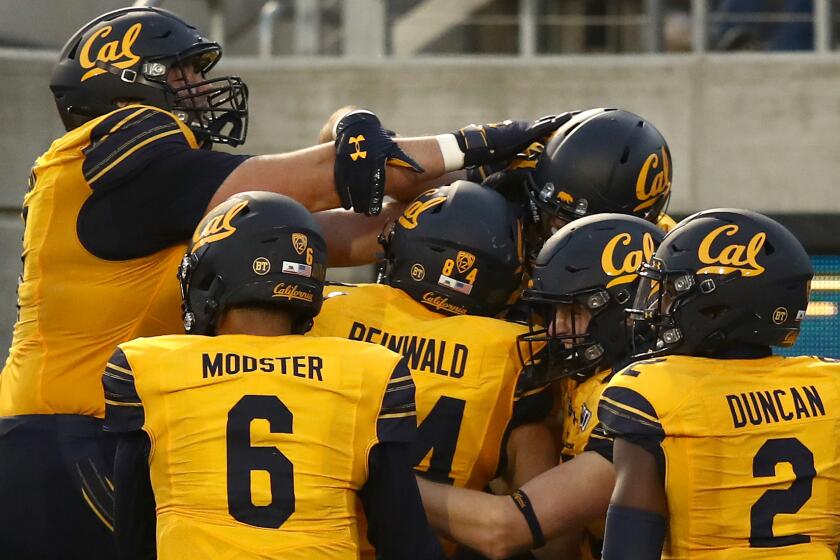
[{"x": 453, "y": 157}]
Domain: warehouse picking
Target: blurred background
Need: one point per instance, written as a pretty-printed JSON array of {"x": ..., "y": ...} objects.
[{"x": 747, "y": 92}]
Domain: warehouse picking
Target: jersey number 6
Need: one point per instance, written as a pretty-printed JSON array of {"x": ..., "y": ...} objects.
[{"x": 242, "y": 458}]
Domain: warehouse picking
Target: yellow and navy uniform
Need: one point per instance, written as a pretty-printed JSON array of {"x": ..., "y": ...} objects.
[
  {"x": 107, "y": 214},
  {"x": 581, "y": 431},
  {"x": 103, "y": 235},
  {"x": 252, "y": 433},
  {"x": 466, "y": 370},
  {"x": 748, "y": 449}
]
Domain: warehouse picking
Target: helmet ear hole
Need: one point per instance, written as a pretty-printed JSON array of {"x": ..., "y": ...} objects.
[
  {"x": 625, "y": 155},
  {"x": 714, "y": 312}
]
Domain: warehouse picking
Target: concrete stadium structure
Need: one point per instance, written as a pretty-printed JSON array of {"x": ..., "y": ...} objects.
[{"x": 757, "y": 131}]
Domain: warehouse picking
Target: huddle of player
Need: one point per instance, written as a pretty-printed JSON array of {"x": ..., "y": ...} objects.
[{"x": 290, "y": 420}]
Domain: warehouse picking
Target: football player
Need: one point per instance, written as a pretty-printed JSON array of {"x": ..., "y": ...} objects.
[
  {"x": 601, "y": 160},
  {"x": 452, "y": 261},
  {"x": 109, "y": 208},
  {"x": 583, "y": 279},
  {"x": 722, "y": 449},
  {"x": 244, "y": 425}
]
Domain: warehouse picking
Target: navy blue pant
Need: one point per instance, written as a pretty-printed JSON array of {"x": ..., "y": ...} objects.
[{"x": 56, "y": 501}]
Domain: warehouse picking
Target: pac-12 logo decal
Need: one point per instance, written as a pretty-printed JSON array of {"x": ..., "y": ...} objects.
[
  {"x": 730, "y": 258},
  {"x": 618, "y": 261},
  {"x": 116, "y": 52},
  {"x": 299, "y": 242},
  {"x": 218, "y": 227},
  {"x": 649, "y": 191},
  {"x": 464, "y": 261}
]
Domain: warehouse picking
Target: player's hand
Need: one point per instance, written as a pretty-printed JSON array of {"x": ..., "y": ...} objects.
[
  {"x": 486, "y": 143},
  {"x": 511, "y": 180},
  {"x": 362, "y": 149}
]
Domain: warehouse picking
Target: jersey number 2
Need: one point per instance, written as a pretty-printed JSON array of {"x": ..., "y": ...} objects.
[
  {"x": 774, "y": 502},
  {"x": 242, "y": 458}
]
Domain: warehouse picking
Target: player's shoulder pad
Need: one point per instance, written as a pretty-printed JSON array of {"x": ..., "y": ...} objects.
[{"x": 128, "y": 139}]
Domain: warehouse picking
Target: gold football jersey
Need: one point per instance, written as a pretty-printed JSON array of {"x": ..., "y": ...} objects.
[
  {"x": 581, "y": 432},
  {"x": 666, "y": 223},
  {"x": 749, "y": 450},
  {"x": 465, "y": 369},
  {"x": 259, "y": 444},
  {"x": 68, "y": 322}
]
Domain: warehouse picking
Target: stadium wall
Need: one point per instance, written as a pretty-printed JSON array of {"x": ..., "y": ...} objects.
[{"x": 757, "y": 131}]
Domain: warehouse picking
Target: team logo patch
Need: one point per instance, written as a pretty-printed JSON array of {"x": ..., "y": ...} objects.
[
  {"x": 290, "y": 292},
  {"x": 585, "y": 416},
  {"x": 409, "y": 218},
  {"x": 261, "y": 266},
  {"x": 731, "y": 258},
  {"x": 299, "y": 242},
  {"x": 649, "y": 191},
  {"x": 117, "y": 52},
  {"x": 418, "y": 272},
  {"x": 780, "y": 315},
  {"x": 621, "y": 259},
  {"x": 218, "y": 227},
  {"x": 464, "y": 261}
]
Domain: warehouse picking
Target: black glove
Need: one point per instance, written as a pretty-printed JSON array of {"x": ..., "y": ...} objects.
[
  {"x": 510, "y": 181},
  {"x": 500, "y": 141},
  {"x": 362, "y": 149}
]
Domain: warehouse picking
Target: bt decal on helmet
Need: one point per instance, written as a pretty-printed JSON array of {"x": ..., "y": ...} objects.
[
  {"x": 116, "y": 52},
  {"x": 626, "y": 271},
  {"x": 649, "y": 192},
  {"x": 218, "y": 227},
  {"x": 731, "y": 258}
]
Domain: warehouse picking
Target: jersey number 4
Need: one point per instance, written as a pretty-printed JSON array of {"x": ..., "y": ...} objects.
[
  {"x": 242, "y": 458},
  {"x": 774, "y": 502},
  {"x": 438, "y": 433}
]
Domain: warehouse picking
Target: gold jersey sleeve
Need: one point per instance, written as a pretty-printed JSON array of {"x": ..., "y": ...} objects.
[
  {"x": 749, "y": 450},
  {"x": 258, "y": 444},
  {"x": 74, "y": 308}
]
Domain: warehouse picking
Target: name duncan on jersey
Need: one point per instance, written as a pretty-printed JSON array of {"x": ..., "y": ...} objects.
[
  {"x": 423, "y": 354},
  {"x": 767, "y": 407},
  {"x": 220, "y": 364}
]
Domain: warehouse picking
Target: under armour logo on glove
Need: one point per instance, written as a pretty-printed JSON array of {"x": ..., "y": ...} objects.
[{"x": 362, "y": 150}]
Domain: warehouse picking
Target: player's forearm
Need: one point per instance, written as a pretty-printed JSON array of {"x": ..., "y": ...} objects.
[
  {"x": 404, "y": 184},
  {"x": 305, "y": 175},
  {"x": 531, "y": 451},
  {"x": 481, "y": 521},
  {"x": 571, "y": 495},
  {"x": 352, "y": 239}
]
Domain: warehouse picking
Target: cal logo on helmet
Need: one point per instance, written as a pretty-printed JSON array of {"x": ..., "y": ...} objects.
[
  {"x": 464, "y": 261},
  {"x": 299, "y": 242},
  {"x": 218, "y": 226},
  {"x": 734, "y": 257},
  {"x": 409, "y": 218},
  {"x": 116, "y": 52},
  {"x": 623, "y": 256},
  {"x": 654, "y": 179}
]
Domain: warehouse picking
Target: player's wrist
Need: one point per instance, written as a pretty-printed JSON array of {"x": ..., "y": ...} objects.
[{"x": 450, "y": 151}]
